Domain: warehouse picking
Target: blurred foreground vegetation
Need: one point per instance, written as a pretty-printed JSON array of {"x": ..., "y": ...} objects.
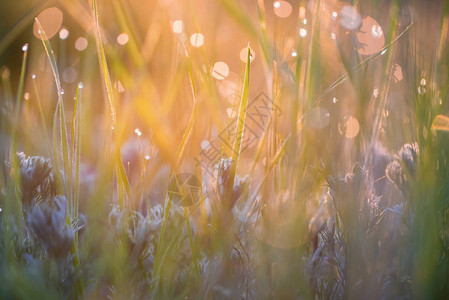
[{"x": 224, "y": 149}]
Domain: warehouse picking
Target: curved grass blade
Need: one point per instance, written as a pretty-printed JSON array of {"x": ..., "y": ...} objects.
[
  {"x": 122, "y": 178},
  {"x": 59, "y": 108},
  {"x": 14, "y": 159},
  {"x": 239, "y": 130}
]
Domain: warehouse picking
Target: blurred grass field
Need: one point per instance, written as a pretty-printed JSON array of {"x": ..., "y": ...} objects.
[{"x": 224, "y": 149}]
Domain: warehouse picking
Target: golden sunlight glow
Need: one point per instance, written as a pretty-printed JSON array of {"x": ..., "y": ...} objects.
[{"x": 50, "y": 20}]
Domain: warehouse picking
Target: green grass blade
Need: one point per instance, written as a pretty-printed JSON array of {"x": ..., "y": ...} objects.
[
  {"x": 14, "y": 159},
  {"x": 122, "y": 179},
  {"x": 239, "y": 130},
  {"x": 41, "y": 115},
  {"x": 60, "y": 106}
]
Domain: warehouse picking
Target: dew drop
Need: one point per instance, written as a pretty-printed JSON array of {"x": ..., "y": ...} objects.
[
  {"x": 334, "y": 100},
  {"x": 80, "y": 85},
  {"x": 294, "y": 53},
  {"x": 334, "y": 15},
  {"x": 147, "y": 157},
  {"x": 422, "y": 90},
  {"x": 33, "y": 76},
  {"x": 376, "y": 93},
  {"x": 63, "y": 34},
  {"x": 376, "y": 31},
  {"x": 25, "y": 47},
  {"x": 244, "y": 53}
]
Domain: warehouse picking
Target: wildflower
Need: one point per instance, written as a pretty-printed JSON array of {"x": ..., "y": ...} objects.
[
  {"x": 403, "y": 166},
  {"x": 241, "y": 184},
  {"x": 37, "y": 178},
  {"x": 48, "y": 221}
]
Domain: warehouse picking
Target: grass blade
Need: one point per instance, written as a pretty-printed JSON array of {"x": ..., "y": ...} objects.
[
  {"x": 60, "y": 106},
  {"x": 122, "y": 179},
  {"x": 239, "y": 130}
]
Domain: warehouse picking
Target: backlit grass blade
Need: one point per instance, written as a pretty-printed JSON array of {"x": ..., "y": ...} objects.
[
  {"x": 14, "y": 159},
  {"x": 122, "y": 179},
  {"x": 76, "y": 149},
  {"x": 60, "y": 105},
  {"x": 79, "y": 291},
  {"x": 41, "y": 115},
  {"x": 240, "y": 127}
]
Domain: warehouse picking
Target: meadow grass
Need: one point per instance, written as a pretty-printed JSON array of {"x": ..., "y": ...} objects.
[{"x": 342, "y": 194}]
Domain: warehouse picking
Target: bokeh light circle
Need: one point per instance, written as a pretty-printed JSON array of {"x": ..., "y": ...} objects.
[{"x": 50, "y": 20}]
